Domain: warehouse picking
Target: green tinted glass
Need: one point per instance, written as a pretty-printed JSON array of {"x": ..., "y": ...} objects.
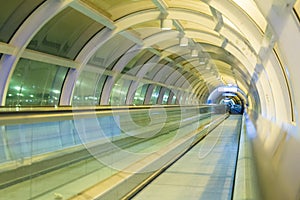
[
  {"x": 119, "y": 92},
  {"x": 35, "y": 84},
  {"x": 166, "y": 96},
  {"x": 155, "y": 95},
  {"x": 140, "y": 93},
  {"x": 88, "y": 88}
]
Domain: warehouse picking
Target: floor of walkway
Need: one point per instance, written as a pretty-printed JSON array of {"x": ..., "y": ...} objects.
[{"x": 205, "y": 172}]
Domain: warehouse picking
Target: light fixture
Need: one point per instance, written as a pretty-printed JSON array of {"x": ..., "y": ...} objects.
[
  {"x": 228, "y": 94},
  {"x": 166, "y": 24},
  {"x": 202, "y": 61},
  {"x": 194, "y": 53},
  {"x": 184, "y": 41},
  {"x": 208, "y": 67}
]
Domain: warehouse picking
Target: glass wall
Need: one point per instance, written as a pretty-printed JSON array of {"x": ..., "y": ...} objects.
[
  {"x": 35, "y": 84},
  {"x": 12, "y": 15},
  {"x": 140, "y": 93},
  {"x": 119, "y": 92},
  {"x": 88, "y": 88},
  {"x": 166, "y": 97},
  {"x": 174, "y": 99},
  {"x": 65, "y": 34},
  {"x": 155, "y": 94},
  {"x": 60, "y": 158}
]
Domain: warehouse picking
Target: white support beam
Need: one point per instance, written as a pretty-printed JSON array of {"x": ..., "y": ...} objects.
[
  {"x": 99, "y": 16},
  {"x": 7, "y": 48},
  {"x": 162, "y": 6},
  {"x": 178, "y": 26},
  {"x": 217, "y": 18},
  {"x": 132, "y": 37},
  {"x": 154, "y": 51},
  {"x": 47, "y": 58}
]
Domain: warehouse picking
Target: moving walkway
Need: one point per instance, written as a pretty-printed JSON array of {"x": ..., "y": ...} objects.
[{"x": 95, "y": 153}]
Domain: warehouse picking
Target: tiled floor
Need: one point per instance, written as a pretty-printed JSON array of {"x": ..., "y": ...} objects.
[{"x": 205, "y": 172}]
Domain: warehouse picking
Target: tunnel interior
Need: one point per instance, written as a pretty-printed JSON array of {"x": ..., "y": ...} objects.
[
  {"x": 75, "y": 54},
  {"x": 140, "y": 52},
  {"x": 81, "y": 53}
]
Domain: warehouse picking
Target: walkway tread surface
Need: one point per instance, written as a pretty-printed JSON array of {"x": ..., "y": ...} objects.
[{"x": 205, "y": 172}]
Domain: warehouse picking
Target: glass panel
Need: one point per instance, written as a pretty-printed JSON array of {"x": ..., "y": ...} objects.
[
  {"x": 231, "y": 25},
  {"x": 195, "y": 5},
  {"x": 12, "y": 15},
  {"x": 140, "y": 93},
  {"x": 146, "y": 29},
  {"x": 88, "y": 89},
  {"x": 206, "y": 27},
  {"x": 111, "y": 51},
  {"x": 61, "y": 158},
  {"x": 183, "y": 98},
  {"x": 174, "y": 99},
  {"x": 142, "y": 62},
  {"x": 118, "y": 8},
  {"x": 35, "y": 84},
  {"x": 65, "y": 34},
  {"x": 251, "y": 9},
  {"x": 155, "y": 94},
  {"x": 160, "y": 71},
  {"x": 166, "y": 96},
  {"x": 119, "y": 92},
  {"x": 135, "y": 62}
]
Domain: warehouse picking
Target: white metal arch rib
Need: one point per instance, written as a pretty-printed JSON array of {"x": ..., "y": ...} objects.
[{"x": 102, "y": 37}]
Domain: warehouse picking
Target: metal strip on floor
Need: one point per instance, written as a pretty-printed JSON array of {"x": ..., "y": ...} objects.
[{"x": 205, "y": 172}]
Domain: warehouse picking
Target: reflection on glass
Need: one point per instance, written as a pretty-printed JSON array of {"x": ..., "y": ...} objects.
[
  {"x": 119, "y": 92},
  {"x": 35, "y": 84},
  {"x": 173, "y": 95},
  {"x": 62, "y": 158},
  {"x": 182, "y": 98},
  {"x": 155, "y": 94},
  {"x": 88, "y": 88},
  {"x": 12, "y": 15},
  {"x": 249, "y": 6},
  {"x": 166, "y": 96},
  {"x": 65, "y": 34},
  {"x": 174, "y": 99},
  {"x": 140, "y": 93},
  {"x": 134, "y": 62}
]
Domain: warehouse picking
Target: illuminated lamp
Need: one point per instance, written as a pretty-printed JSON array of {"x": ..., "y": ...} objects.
[
  {"x": 194, "y": 53},
  {"x": 184, "y": 41},
  {"x": 166, "y": 24},
  {"x": 202, "y": 61}
]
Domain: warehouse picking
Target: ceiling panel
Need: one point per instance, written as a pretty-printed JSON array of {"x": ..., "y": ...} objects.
[
  {"x": 115, "y": 9},
  {"x": 12, "y": 15},
  {"x": 189, "y": 4},
  {"x": 65, "y": 34}
]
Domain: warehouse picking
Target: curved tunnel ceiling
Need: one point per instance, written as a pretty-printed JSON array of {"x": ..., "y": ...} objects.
[{"x": 122, "y": 44}]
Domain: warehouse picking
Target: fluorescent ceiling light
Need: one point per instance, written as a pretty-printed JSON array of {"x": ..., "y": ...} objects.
[
  {"x": 208, "y": 67},
  {"x": 166, "y": 24},
  {"x": 229, "y": 94},
  {"x": 194, "y": 53},
  {"x": 184, "y": 41},
  {"x": 202, "y": 61}
]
